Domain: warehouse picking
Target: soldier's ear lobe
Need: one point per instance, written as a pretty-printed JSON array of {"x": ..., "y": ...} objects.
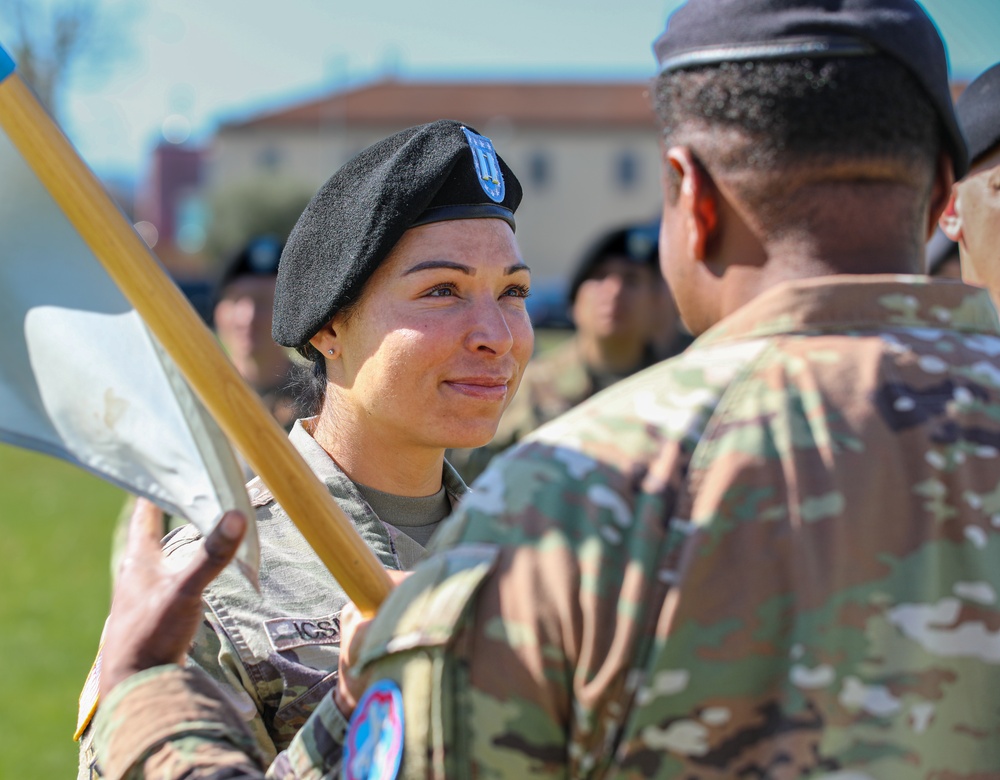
[
  {"x": 326, "y": 341},
  {"x": 951, "y": 218}
]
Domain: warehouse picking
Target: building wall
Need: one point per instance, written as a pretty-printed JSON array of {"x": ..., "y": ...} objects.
[{"x": 577, "y": 182}]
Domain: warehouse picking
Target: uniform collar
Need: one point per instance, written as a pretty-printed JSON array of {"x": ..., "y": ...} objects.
[{"x": 858, "y": 302}]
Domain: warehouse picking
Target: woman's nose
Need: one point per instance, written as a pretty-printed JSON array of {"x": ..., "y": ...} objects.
[{"x": 489, "y": 329}]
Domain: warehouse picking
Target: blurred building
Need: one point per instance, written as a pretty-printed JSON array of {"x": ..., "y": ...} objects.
[
  {"x": 171, "y": 189},
  {"x": 585, "y": 153}
]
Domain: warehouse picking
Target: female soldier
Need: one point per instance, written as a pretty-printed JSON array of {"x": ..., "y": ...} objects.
[{"x": 403, "y": 284}]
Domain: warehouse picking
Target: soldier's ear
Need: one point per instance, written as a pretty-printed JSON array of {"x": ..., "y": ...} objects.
[
  {"x": 697, "y": 198},
  {"x": 326, "y": 341},
  {"x": 943, "y": 192},
  {"x": 951, "y": 218}
]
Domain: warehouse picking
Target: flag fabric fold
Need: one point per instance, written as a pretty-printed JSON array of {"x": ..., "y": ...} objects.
[{"x": 83, "y": 379}]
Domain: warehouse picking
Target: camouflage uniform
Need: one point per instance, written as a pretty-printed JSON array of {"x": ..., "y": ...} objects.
[
  {"x": 773, "y": 556},
  {"x": 275, "y": 653}
]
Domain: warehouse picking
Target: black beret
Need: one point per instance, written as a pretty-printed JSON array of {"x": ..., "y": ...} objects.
[
  {"x": 978, "y": 110},
  {"x": 707, "y": 32},
  {"x": 638, "y": 244},
  {"x": 939, "y": 250},
  {"x": 431, "y": 173}
]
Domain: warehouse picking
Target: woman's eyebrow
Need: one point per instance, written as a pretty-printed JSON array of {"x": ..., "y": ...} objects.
[{"x": 428, "y": 265}]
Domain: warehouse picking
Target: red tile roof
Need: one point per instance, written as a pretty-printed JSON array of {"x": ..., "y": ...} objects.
[{"x": 617, "y": 104}]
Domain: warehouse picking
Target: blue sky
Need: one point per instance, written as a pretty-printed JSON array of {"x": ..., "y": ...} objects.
[{"x": 185, "y": 65}]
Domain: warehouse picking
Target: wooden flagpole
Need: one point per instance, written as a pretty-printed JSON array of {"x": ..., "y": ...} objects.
[{"x": 168, "y": 315}]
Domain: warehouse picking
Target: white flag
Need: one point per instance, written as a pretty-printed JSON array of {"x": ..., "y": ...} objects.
[{"x": 81, "y": 378}]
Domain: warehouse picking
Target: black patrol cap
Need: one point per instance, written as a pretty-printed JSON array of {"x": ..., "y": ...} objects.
[
  {"x": 978, "y": 110},
  {"x": 431, "y": 173},
  {"x": 638, "y": 244},
  {"x": 707, "y": 32}
]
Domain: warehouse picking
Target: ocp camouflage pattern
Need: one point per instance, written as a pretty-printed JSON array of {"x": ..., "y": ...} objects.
[{"x": 774, "y": 556}]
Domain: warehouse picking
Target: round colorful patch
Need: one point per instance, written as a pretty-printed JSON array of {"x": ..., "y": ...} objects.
[{"x": 374, "y": 746}]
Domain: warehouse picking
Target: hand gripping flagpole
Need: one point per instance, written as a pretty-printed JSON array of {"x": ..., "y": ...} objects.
[{"x": 168, "y": 315}]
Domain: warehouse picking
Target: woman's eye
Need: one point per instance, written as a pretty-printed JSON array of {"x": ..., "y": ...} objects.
[
  {"x": 517, "y": 291},
  {"x": 444, "y": 291}
]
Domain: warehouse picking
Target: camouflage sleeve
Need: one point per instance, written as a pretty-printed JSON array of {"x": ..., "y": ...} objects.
[
  {"x": 211, "y": 653},
  {"x": 215, "y": 656},
  {"x": 174, "y": 722},
  {"x": 316, "y": 749}
]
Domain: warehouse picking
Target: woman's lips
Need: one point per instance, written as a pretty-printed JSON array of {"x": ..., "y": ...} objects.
[{"x": 482, "y": 388}]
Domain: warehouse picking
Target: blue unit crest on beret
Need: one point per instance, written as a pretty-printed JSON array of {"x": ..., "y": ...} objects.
[{"x": 484, "y": 157}]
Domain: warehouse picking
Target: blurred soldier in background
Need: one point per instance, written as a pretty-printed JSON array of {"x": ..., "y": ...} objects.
[
  {"x": 242, "y": 313},
  {"x": 972, "y": 218},
  {"x": 625, "y": 321}
]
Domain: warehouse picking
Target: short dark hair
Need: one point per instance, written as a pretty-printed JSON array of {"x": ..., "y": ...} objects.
[{"x": 799, "y": 111}]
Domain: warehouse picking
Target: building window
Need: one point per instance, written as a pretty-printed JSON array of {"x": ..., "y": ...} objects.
[
  {"x": 192, "y": 223},
  {"x": 269, "y": 158},
  {"x": 627, "y": 171},
  {"x": 539, "y": 170}
]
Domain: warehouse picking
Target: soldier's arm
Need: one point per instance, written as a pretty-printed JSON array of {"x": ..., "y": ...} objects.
[
  {"x": 174, "y": 722},
  {"x": 169, "y": 721},
  {"x": 156, "y": 715}
]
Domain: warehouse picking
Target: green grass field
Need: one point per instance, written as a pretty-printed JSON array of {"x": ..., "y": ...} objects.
[{"x": 56, "y": 523}]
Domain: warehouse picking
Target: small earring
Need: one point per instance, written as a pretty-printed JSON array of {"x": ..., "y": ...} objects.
[{"x": 330, "y": 351}]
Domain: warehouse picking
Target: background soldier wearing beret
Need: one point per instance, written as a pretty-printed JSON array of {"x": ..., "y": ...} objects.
[
  {"x": 242, "y": 319},
  {"x": 972, "y": 218},
  {"x": 403, "y": 285},
  {"x": 772, "y": 556},
  {"x": 613, "y": 297}
]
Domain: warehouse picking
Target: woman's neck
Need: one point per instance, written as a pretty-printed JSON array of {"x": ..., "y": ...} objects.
[{"x": 376, "y": 461}]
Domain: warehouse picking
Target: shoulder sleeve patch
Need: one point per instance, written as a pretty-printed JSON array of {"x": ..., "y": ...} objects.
[
  {"x": 427, "y": 608},
  {"x": 374, "y": 744}
]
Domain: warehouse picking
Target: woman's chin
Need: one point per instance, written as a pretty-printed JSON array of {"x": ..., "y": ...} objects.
[{"x": 473, "y": 436}]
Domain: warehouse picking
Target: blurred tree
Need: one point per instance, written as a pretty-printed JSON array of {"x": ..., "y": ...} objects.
[
  {"x": 264, "y": 203},
  {"x": 48, "y": 40}
]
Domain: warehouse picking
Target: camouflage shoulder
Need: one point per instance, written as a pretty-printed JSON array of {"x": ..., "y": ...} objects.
[
  {"x": 427, "y": 608},
  {"x": 414, "y": 653}
]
